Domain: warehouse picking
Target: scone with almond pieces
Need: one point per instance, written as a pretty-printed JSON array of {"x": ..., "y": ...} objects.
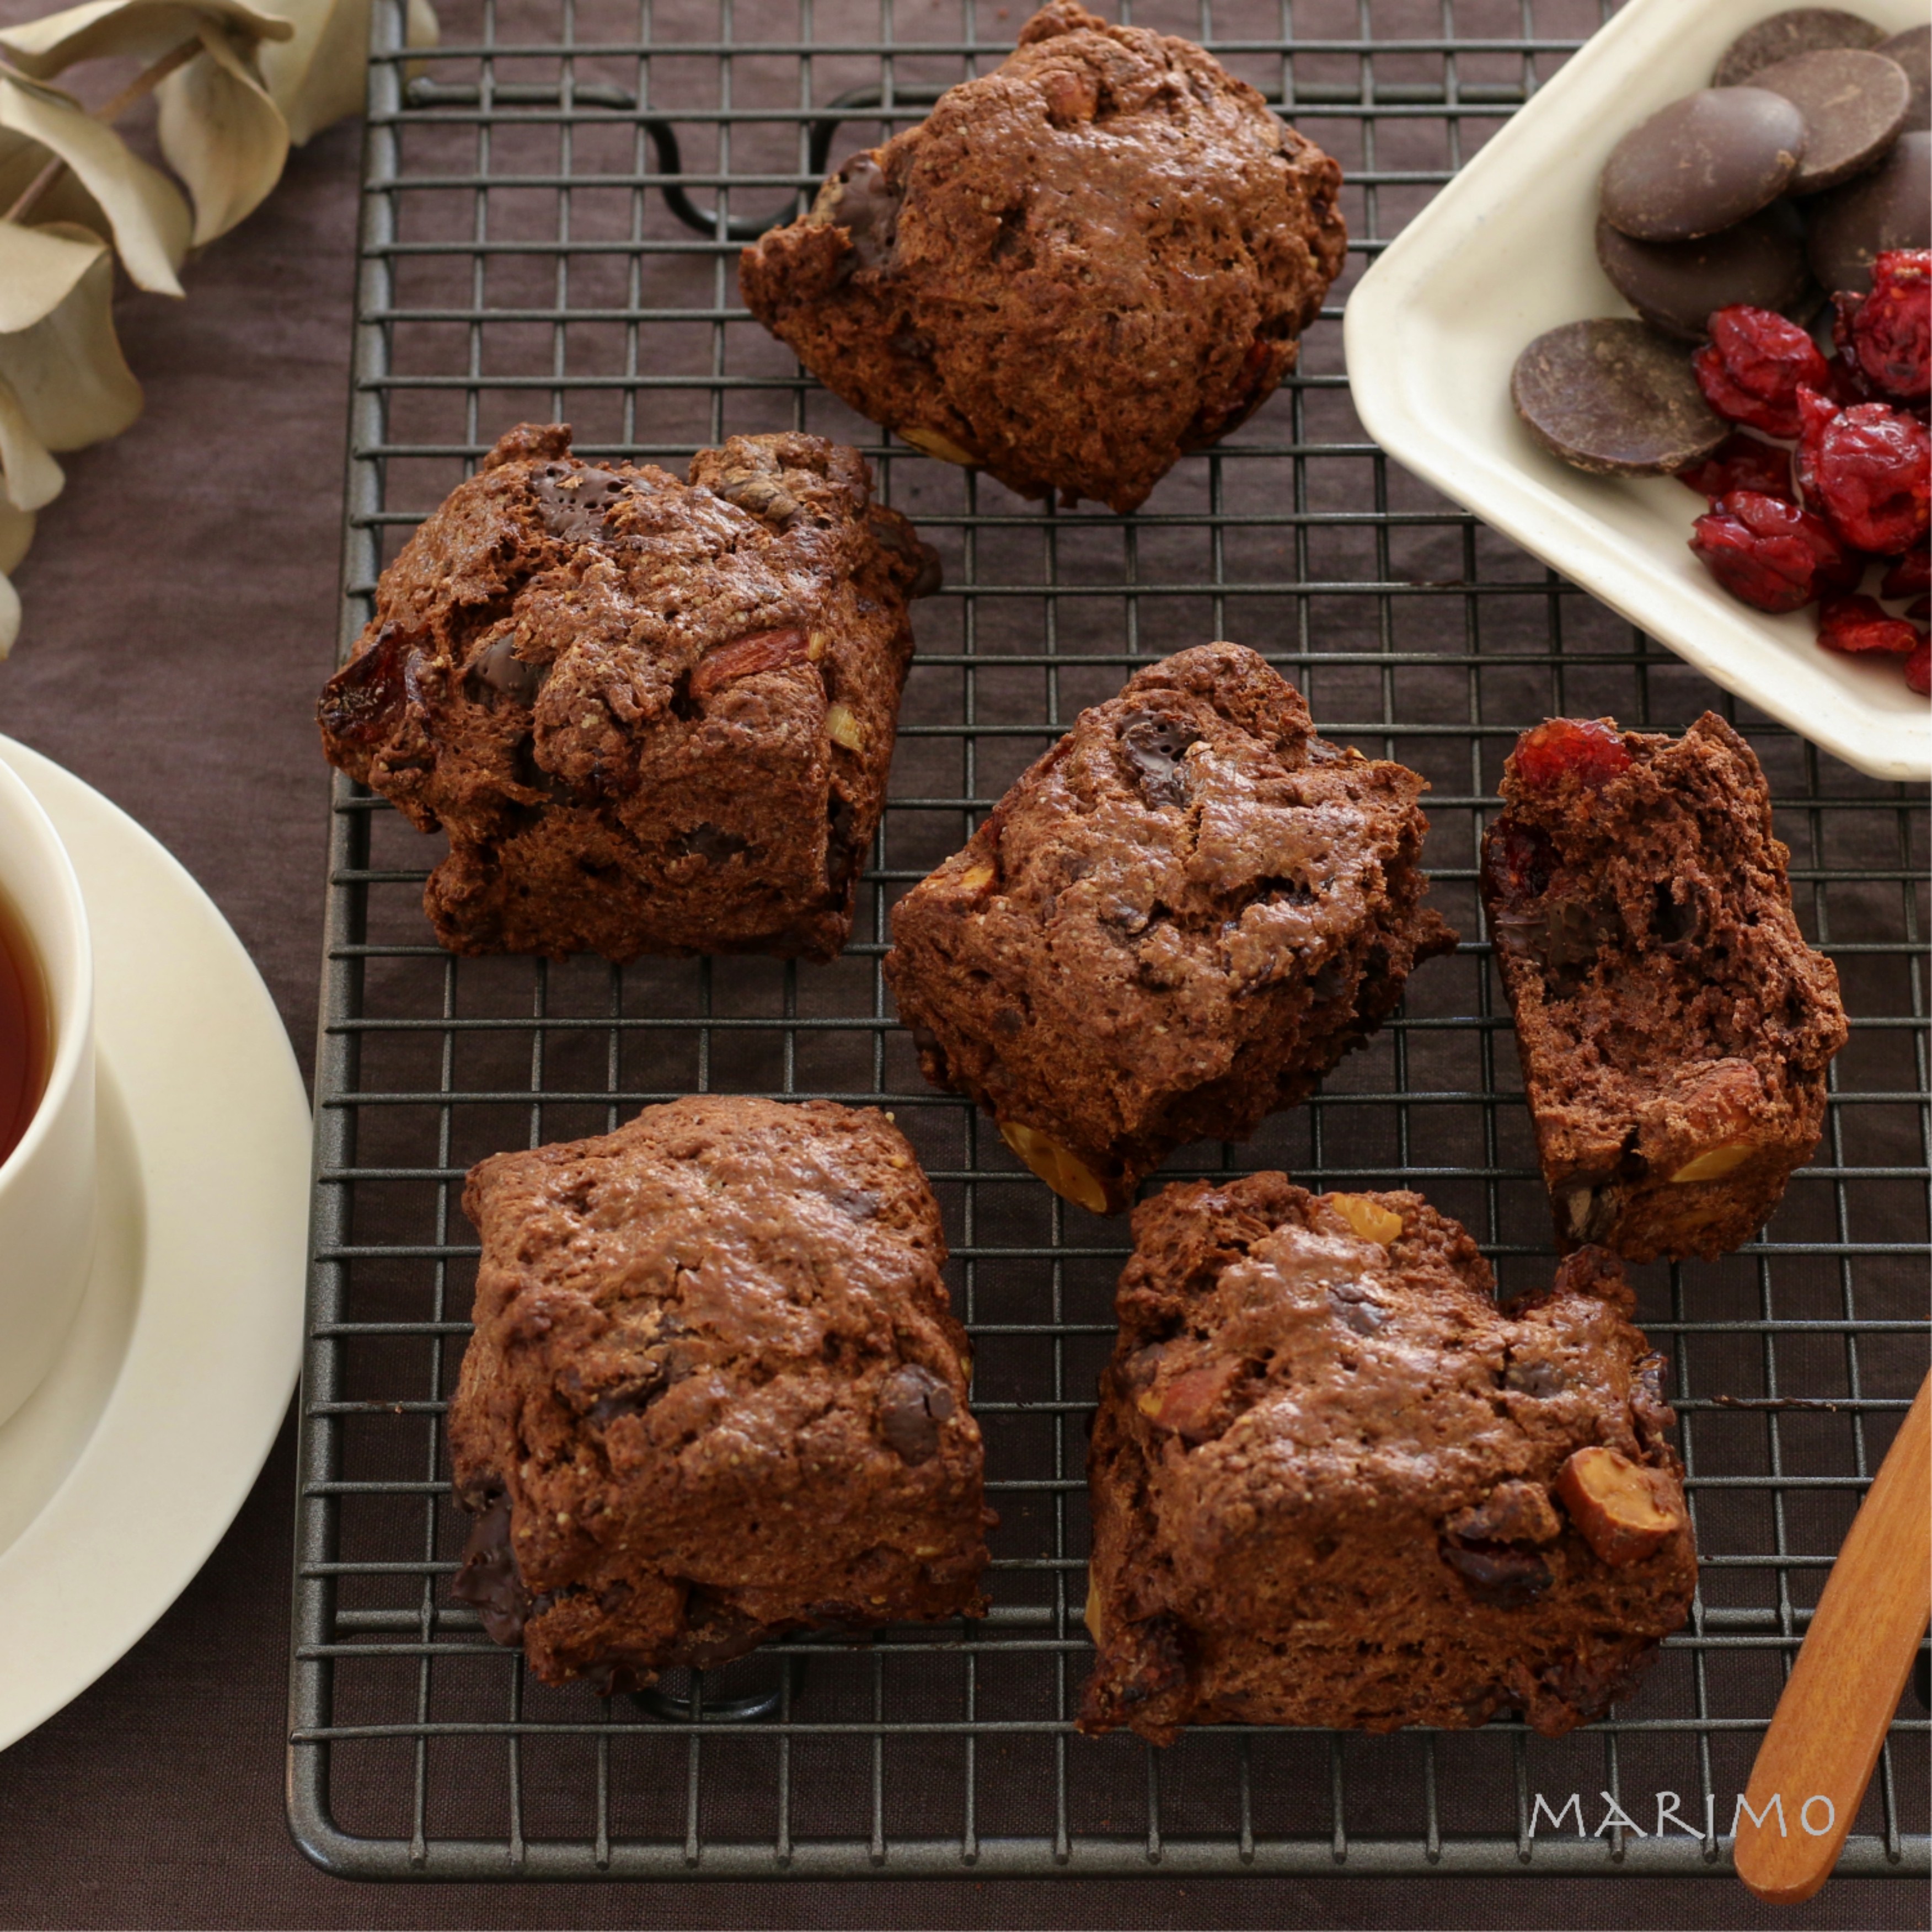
[
  {"x": 1175, "y": 922},
  {"x": 1676, "y": 1030},
  {"x": 1333, "y": 1483},
  {"x": 715, "y": 1392},
  {"x": 653, "y": 715},
  {"x": 1079, "y": 267}
]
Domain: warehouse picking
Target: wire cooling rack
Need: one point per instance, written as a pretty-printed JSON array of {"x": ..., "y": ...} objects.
[{"x": 553, "y": 206}]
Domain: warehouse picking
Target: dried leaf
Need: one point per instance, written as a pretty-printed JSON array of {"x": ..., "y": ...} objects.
[
  {"x": 37, "y": 271},
  {"x": 9, "y": 615},
  {"x": 145, "y": 29},
  {"x": 67, "y": 373},
  {"x": 29, "y": 474},
  {"x": 16, "y": 532},
  {"x": 64, "y": 200},
  {"x": 150, "y": 220},
  {"x": 222, "y": 134},
  {"x": 421, "y": 28},
  {"x": 322, "y": 74}
]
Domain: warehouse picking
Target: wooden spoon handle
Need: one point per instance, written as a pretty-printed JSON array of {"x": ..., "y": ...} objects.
[{"x": 1817, "y": 1757}]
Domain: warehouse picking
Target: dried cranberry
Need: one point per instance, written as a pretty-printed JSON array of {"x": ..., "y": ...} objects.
[
  {"x": 1591, "y": 749},
  {"x": 1501, "y": 1573},
  {"x": 1920, "y": 610},
  {"x": 1848, "y": 383},
  {"x": 360, "y": 703},
  {"x": 1742, "y": 462},
  {"x": 1770, "y": 554},
  {"x": 1918, "y": 668},
  {"x": 1867, "y": 471},
  {"x": 1750, "y": 369},
  {"x": 1909, "y": 575},
  {"x": 1856, "y": 625},
  {"x": 1519, "y": 860},
  {"x": 1892, "y": 328}
]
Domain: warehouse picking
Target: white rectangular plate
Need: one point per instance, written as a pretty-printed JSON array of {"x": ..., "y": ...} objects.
[{"x": 1506, "y": 251}]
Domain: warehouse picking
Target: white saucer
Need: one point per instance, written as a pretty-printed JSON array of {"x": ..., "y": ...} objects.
[{"x": 119, "y": 1476}]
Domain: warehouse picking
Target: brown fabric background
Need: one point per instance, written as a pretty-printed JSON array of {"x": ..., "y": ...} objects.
[{"x": 181, "y": 614}]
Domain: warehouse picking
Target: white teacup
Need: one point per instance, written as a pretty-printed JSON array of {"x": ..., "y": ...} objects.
[{"x": 47, "y": 1183}]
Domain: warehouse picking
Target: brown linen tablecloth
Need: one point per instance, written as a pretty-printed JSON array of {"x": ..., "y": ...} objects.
[{"x": 180, "y": 615}]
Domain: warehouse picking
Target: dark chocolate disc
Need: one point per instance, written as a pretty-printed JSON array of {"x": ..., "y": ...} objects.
[
  {"x": 1889, "y": 208},
  {"x": 1854, "y": 106},
  {"x": 1614, "y": 397},
  {"x": 1802, "y": 30},
  {"x": 1675, "y": 285},
  {"x": 1913, "y": 50},
  {"x": 1703, "y": 163}
]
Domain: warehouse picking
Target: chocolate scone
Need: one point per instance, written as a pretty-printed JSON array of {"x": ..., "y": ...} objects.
[
  {"x": 653, "y": 716},
  {"x": 1674, "y": 1029},
  {"x": 1175, "y": 923},
  {"x": 715, "y": 1392},
  {"x": 1079, "y": 267},
  {"x": 1333, "y": 1483}
]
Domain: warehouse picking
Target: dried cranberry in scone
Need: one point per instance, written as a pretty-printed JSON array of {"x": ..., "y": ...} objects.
[{"x": 1589, "y": 750}]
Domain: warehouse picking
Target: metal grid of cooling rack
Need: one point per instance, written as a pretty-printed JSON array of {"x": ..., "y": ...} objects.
[{"x": 550, "y": 223}]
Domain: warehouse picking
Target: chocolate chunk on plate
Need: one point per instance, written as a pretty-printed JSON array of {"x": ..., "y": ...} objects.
[
  {"x": 1702, "y": 163},
  {"x": 1614, "y": 397},
  {"x": 1854, "y": 104},
  {"x": 1913, "y": 50},
  {"x": 1799, "y": 30},
  {"x": 1889, "y": 208},
  {"x": 1674, "y": 286}
]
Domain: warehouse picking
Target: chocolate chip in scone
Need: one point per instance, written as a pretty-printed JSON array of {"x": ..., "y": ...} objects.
[
  {"x": 1355, "y": 1307},
  {"x": 1614, "y": 396},
  {"x": 1891, "y": 207},
  {"x": 1540, "y": 1379},
  {"x": 1799, "y": 30},
  {"x": 1854, "y": 104},
  {"x": 1702, "y": 163},
  {"x": 868, "y": 209},
  {"x": 913, "y": 1404},
  {"x": 1155, "y": 747},
  {"x": 633, "y": 1398},
  {"x": 1564, "y": 937},
  {"x": 1913, "y": 50},
  {"x": 714, "y": 844},
  {"x": 499, "y": 669},
  {"x": 573, "y": 499},
  {"x": 489, "y": 1580},
  {"x": 1674, "y": 286}
]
